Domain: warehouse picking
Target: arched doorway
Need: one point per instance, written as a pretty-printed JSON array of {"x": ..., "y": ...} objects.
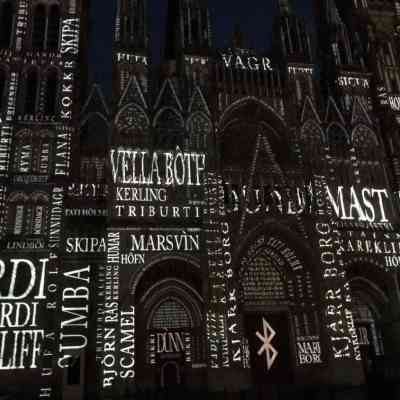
[
  {"x": 170, "y": 375},
  {"x": 170, "y": 339},
  {"x": 278, "y": 301},
  {"x": 369, "y": 333},
  {"x": 169, "y": 330},
  {"x": 368, "y": 307}
]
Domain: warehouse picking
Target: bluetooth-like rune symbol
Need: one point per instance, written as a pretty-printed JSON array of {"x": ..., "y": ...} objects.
[{"x": 270, "y": 352}]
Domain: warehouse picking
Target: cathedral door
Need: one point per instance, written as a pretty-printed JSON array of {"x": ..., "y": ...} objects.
[
  {"x": 171, "y": 325},
  {"x": 170, "y": 348},
  {"x": 170, "y": 375},
  {"x": 269, "y": 345}
]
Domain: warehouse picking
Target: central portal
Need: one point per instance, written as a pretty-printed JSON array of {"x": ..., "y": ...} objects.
[
  {"x": 277, "y": 297},
  {"x": 269, "y": 345}
]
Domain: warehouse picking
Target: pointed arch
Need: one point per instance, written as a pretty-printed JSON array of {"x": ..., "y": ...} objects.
[
  {"x": 262, "y": 262},
  {"x": 339, "y": 144},
  {"x": 133, "y": 94},
  {"x": 333, "y": 114},
  {"x": 369, "y": 154},
  {"x": 28, "y": 214},
  {"x": 160, "y": 317},
  {"x": 274, "y": 118},
  {"x": 372, "y": 293},
  {"x": 95, "y": 102},
  {"x": 171, "y": 308},
  {"x": 309, "y": 111},
  {"x": 166, "y": 293},
  {"x": 312, "y": 132},
  {"x": 133, "y": 123},
  {"x": 198, "y": 102},
  {"x": 6, "y": 23},
  {"x": 168, "y": 96},
  {"x": 244, "y": 124},
  {"x": 359, "y": 113}
]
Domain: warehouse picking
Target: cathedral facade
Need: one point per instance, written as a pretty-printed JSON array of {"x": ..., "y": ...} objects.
[{"x": 228, "y": 220}]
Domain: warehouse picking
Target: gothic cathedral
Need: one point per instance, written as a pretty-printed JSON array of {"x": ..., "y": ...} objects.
[{"x": 227, "y": 222}]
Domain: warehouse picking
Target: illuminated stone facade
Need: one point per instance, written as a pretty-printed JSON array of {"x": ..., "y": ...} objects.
[{"x": 229, "y": 222}]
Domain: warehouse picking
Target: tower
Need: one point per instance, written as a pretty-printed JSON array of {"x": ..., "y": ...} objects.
[
  {"x": 188, "y": 28},
  {"x": 189, "y": 41},
  {"x": 379, "y": 30},
  {"x": 42, "y": 72},
  {"x": 41, "y": 61},
  {"x": 131, "y": 55},
  {"x": 344, "y": 73},
  {"x": 131, "y": 73},
  {"x": 292, "y": 47}
]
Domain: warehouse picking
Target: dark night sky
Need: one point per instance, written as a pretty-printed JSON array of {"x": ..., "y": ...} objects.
[{"x": 253, "y": 16}]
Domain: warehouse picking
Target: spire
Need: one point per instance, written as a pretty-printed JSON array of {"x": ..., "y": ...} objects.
[
  {"x": 292, "y": 40},
  {"x": 188, "y": 28},
  {"x": 131, "y": 48},
  {"x": 131, "y": 25}
]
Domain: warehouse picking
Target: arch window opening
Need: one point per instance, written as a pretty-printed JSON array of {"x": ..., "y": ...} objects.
[
  {"x": 133, "y": 125},
  {"x": 28, "y": 214},
  {"x": 170, "y": 333},
  {"x": 32, "y": 153},
  {"x": 170, "y": 329}
]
